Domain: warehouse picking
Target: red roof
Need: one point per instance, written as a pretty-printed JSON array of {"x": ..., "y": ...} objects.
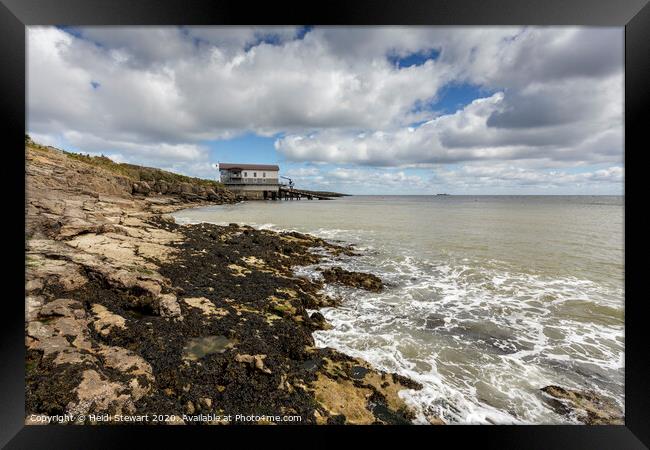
[{"x": 248, "y": 166}]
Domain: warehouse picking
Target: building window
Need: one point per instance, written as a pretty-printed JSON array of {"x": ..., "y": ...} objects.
[
  {"x": 254, "y": 174},
  {"x": 245, "y": 174},
  {"x": 263, "y": 174}
]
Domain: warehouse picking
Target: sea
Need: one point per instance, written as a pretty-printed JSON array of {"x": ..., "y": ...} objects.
[{"x": 488, "y": 299}]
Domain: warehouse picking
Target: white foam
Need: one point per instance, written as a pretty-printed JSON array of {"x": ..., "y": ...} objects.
[{"x": 511, "y": 362}]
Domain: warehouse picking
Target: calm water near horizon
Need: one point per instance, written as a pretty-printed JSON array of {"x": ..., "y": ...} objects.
[{"x": 488, "y": 298}]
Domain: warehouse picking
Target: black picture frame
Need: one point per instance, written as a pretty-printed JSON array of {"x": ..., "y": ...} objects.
[{"x": 15, "y": 15}]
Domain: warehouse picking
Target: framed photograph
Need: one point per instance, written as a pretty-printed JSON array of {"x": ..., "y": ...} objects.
[{"x": 363, "y": 217}]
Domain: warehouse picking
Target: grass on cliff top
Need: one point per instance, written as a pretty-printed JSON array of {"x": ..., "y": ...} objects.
[
  {"x": 138, "y": 173},
  {"x": 141, "y": 173}
]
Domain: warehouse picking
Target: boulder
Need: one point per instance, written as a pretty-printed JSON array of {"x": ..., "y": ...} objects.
[
  {"x": 588, "y": 407},
  {"x": 319, "y": 322},
  {"x": 186, "y": 188},
  {"x": 167, "y": 218},
  {"x": 162, "y": 186},
  {"x": 256, "y": 361},
  {"x": 200, "y": 190},
  {"x": 169, "y": 307},
  {"x": 360, "y": 280},
  {"x": 141, "y": 187},
  {"x": 173, "y": 188}
]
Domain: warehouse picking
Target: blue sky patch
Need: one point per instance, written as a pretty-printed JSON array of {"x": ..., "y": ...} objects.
[
  {"x": 303, "y": 31},
  {"x": 76, "y": 32},
  {"x": 269, "y": 38},
  {"x": 70, "y": 30},
  {"x": 413, "y": 59},
  {"x": 452, "y": 98},
  {"x": 248, "y": 148}
]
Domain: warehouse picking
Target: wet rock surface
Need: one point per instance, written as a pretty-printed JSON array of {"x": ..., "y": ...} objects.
[
  {"x": 587, "y": 407},
  {"x": 360, "y": 280},
  {"x": 129, "y": 313}
]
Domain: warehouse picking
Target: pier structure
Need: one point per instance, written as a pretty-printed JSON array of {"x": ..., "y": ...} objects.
[{"x": 286, "y": 193}]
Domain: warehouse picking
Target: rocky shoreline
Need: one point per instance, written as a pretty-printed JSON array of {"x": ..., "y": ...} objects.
[{"x": 128, "y": 313}]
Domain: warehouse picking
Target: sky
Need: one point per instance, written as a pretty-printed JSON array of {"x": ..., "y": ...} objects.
[{"x": 360, "y": 110}]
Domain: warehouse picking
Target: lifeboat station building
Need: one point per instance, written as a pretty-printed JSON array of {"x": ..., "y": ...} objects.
[{"x": 251, "y": 181}]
